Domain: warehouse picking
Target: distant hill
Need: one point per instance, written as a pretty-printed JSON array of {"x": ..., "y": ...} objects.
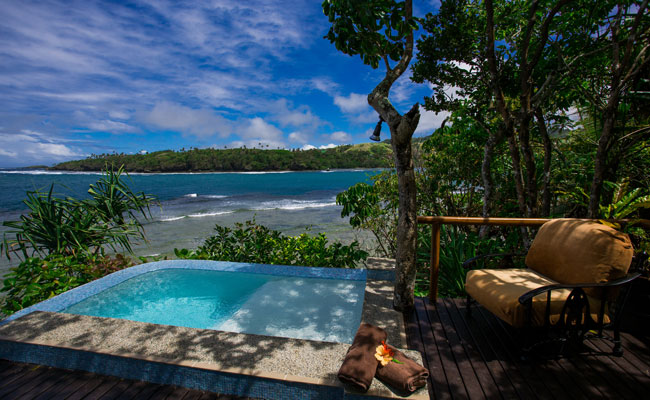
[{"x": 365, "y": 155}]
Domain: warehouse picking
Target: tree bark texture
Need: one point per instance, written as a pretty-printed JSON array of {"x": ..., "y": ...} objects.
[
  {"x": 548, "y": 149},
  {"x": 402, "y": 128}
]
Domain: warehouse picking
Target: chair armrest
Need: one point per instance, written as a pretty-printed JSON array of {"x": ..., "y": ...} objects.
[
  {"x": 535, "y": 292},
  {"x": 467, "y": 264}
]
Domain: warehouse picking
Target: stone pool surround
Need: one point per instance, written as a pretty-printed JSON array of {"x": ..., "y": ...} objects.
[{"x": 226, "y": 362}]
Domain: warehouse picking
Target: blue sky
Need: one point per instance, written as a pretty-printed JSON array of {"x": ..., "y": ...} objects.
[{"x": 86, "y": 77}]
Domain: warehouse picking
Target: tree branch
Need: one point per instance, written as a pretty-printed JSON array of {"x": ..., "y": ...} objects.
[
  {"x": 378, "y": 98},
  {"x": 543, "y": 37}
]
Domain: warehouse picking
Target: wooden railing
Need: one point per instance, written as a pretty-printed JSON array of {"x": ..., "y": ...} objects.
[{"x": 437, "y": 222}]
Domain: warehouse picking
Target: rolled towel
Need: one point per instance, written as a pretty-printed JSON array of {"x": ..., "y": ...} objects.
[
  {"x": 360, "y": 364},
  {"x": 407, "y": 376}
]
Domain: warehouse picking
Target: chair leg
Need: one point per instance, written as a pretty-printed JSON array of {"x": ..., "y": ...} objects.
[{"x": 618, "y": 347}]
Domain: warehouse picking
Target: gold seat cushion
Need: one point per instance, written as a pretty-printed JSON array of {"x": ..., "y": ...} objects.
[{"x": 498, "y": 290}]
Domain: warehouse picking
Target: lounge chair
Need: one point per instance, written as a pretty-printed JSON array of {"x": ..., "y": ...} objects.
[{"x": 571, "y": 286}]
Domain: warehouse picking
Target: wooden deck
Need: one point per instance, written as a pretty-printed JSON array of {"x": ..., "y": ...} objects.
[
  {"x": 30, "y": 382},
  {"x": 473, "y": 357}
]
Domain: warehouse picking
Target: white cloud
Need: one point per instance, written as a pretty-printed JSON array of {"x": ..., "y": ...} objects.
[
  {"x": 12, "y": 154},
  {"x": 340, "y": 136},
  {"x": 298, "y": 137},
  {"x": 259, "y": 133},
  {"x": 111, "y": 126},
  {"x": 308, "y": 147},
  {"x": 327, "y": 146},
  {"x": 115, "y": 114},
  {"x": 299, "y": 117},
  {"x": 430, "y": 121},
  {"x": 402, "y": 91},
  {"x": 325, "y": 85},
  {"x": 354, "y": 103},
  {"x": 201, "y": 123},
  {"x": 366, "y": 118},
  {"x": 30, "y": 147}
]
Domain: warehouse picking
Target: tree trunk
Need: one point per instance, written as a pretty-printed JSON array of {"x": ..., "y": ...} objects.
[
  {"x": 407, "y": 218},
  {"x": 516, "y": 169},
  {"x": 531, "y": 168},
  {"x": 548, "y": 149},
  {"x": 486, "y": 176},
  {"x": 402, "y": 128},
  {"x": 600, "y": 163}
]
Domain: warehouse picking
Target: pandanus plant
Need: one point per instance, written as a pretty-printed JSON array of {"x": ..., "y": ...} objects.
[{"x": 68, "y": 226}]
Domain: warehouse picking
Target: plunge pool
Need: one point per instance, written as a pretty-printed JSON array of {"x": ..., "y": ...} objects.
[{"x": 322, "y": 304}]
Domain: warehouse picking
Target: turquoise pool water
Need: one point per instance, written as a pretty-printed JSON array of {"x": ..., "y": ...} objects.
[{"x": 288, "y": 306}]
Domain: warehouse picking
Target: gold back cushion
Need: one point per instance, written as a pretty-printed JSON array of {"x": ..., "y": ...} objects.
[{"x": 574, "y": 251}]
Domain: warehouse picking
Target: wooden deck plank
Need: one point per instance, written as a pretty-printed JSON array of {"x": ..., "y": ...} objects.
[
  {"x": 501, "y": 345},
  {"x": 34, "y": 382},
  {"x": 132, "y": 391},
  {"x": 603, "y": 371},
  {"x": 438, "y": 379},
  {"x": 116, "y": 391},
  {"x": 638, "y": 346},
  {"x": 452, "y": 371},
  {"x": 481, "y": 351},
  {"x": 89, "y": 385},
  {"x": 630, "y": 376},
  {"x": 68, "y": 381},
  {"x": 193, "y": 395},
  {"x": 414, "y": 342},
  {"x": 178, "y": 393},
  {"x": 98, "y": 393},
  {"x": 162, "y": 393},
  {"x": 540, "y": 380},
  {"x": 636, "y": 354},
  {"x": 147, "y": 391},
  {"x": 37, "y": 386},
  {"x": 459, "y": 351},
  {"x": 10, "y": 374},
  {"x": 4, "y": 365},
  {"x": 487, "y": 355},
  {"x": 25, "y": 379}
]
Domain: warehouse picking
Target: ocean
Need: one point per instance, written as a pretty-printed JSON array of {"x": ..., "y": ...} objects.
[{"x": 193, "y": 203}]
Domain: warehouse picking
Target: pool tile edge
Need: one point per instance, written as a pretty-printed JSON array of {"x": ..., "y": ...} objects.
[{"x": 191, "y": 374}]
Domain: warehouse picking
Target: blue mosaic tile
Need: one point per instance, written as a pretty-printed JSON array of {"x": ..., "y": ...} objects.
[
  {"x": 193, "y": 378},
  {"x": 80, "y": 293}
]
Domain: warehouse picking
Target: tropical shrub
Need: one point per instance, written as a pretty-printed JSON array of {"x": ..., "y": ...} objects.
[
  {"x": 69, "y": 226},
  {"x": 35, "y": 279},
  {"x": 457, "y": 246},
  {"x": 252, "y": 243},
  {"x": 62, "y": 241}
]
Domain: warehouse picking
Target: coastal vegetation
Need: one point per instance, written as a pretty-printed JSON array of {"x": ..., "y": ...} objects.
[
  {"x": 63, "y": 242},
  {"x": 376, "y": 155},
  {"x": 252, "y": 243}
]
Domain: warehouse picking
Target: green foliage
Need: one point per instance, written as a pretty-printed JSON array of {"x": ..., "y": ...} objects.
[
  {"x": 457, "y": 246},
  {"x": 348, "y": 156},
  {"x": 68, "y": 226},
  {"x": 35, "y": 280},
  {"x": 626, "y": 202},
  {"x": 252, "y": 243},
  {"x": 374, "y": 208},
  {"x": 372, "y": 29}
]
